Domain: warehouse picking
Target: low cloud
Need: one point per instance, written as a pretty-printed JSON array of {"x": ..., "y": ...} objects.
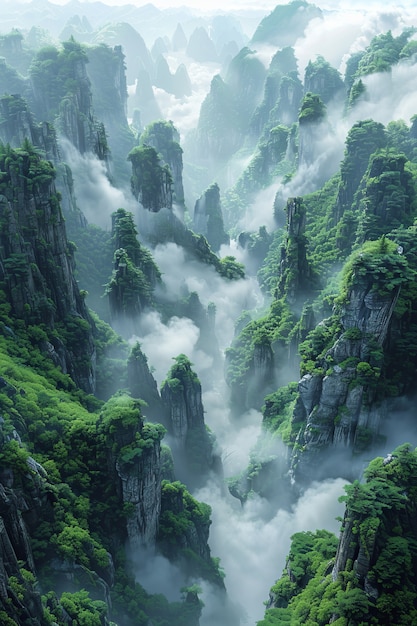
[
  {"x": 253, "y": 546},
  {"x": 163, "y": 342},
  {"x": 389, "y": 95},
  {"x": 95, "y": 195}
]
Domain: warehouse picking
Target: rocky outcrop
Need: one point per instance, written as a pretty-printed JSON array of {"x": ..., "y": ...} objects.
[
  {"x": 323, "y": 79},
  {"x": 377, "y": 526},
  {"x": 184, "y": 532},
  {"x": 144, "y": 99},
  {"x": 21, "y": 498},
  {"x": 208, "y": 218},
  {"x": 295, "y": 281},
  {"x": 134, "y": 461},
  {"x": 364, "y": 138},
  {"x": 165, "y": 139},
  {"x": 283, "y": 92},
  {"x": 134, "y": 277},
  {"x": 37, "y": 262},
  {"x": 138, "y": 57},
  {"x": 193, "y": 448},
  {"x": 217, "y": 135},
  {"x": 19, "y": 125},
  {"x": 151, "y": 181},
  {"x": 312, "y": 127},
  {"x": 61, "y": 93}
]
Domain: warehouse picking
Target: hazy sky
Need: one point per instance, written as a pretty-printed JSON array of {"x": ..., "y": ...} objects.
[{"x": 266, "y": 5}]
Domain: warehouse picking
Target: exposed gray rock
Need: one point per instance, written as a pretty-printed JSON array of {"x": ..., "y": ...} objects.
[{"x": 193, "y": 448}]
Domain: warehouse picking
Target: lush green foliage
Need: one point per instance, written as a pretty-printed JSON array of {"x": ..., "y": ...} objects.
[
  {"x": 54, "y": 73},
  {"x": 312, "y": 109},
  {"x": 379, "y": 515},
  {"x": 149, "y": 177}
]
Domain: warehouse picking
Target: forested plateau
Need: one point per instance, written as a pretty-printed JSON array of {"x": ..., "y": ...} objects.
[{"x": 208, "y": 316}]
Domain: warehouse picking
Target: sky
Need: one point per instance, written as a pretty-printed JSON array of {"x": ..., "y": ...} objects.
[{"x": 258, "y": 5}]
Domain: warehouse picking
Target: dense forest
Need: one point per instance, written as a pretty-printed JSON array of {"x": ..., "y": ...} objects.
[{"x": 208, "y": 316}]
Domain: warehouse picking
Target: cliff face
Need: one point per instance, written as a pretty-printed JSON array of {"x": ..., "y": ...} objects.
[
  {"x": 37, "y": 264},
  {"x": 193, "y": 447},
  {"x": 159, "y": 513},
  {"x": 341, "y": 399},
  {"x": 323, "y": 79},
  {"x": 283, "y": 65},
  {"x": 369, "y": 575}
]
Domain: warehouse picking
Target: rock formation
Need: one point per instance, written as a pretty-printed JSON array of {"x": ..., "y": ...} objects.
[
  {"x": 193, "y": 447},
  {"x": 286, "y": 23},
  {"x": 200, "y": 47},
  {"x": 134, "y": 459},
  {"x": 142, "y": 385},
  {"x": 107, "y": 73},
  {"x": 61, "y": 92},
  {"x": 18, "y": 124},
  {"x": 165, "y": 139},
  {"x": 312, "y": 126},
  {"x": 295, "y": 276},
  {"x": 151, "y": 180},
  {"x": 208, "y": 219},
  {"x": 37, "y": 261},
  {"x": 341, "y": 405}
]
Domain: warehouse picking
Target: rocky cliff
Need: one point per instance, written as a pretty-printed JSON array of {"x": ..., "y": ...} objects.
[
  {"x": 296, "y": 279},
  {"x": 323, "y": 79},
  {"x": 37, "y": 262},
  {"x": 371, "y": 543},
  {"x": 134, "y": 460},
  {"x": 193, "y": 447},
  {"x": 368, "y": 575},
  {"x": 342, "y": 402},
  {"x": 282, "y": 93}
]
